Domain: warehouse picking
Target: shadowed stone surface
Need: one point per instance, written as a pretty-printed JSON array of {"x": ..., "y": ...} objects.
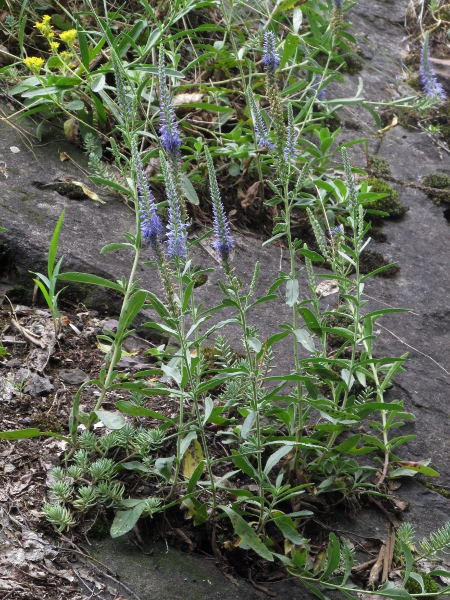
[{"x": 420, "y": 242}]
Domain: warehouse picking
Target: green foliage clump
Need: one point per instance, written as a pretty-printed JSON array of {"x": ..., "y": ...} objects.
[{"x": 391, "y": 204}]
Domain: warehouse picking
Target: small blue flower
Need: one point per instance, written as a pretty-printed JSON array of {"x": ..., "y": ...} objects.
[
  {"x": 262, "y": 137},
  {"x": 169, "y": 134},
  {"x": 432, "y": 87},
  {"x": 176, "y": 228},
  {"x": 151, "y": 226},
  {"x": 124, "y": 103},
  {"x": 290, "y": 151},
  {"x": 339, "y": 3},
  {"x": 316, "y": 85},
  {"x": 224, "y": 242},
  {"x": 271, "y": 58},
  {"x": 339, "y": 230}
]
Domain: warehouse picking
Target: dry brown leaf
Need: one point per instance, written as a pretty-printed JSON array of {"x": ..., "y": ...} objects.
[
  {"x": 392, "y": 124},
  {"x": 181, "y": 99},
  {"x": 327, "y": 287},
  {"x": 251, "y": 195}
]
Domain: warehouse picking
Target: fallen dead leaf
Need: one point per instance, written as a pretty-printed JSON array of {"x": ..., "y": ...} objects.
[
  {"x": 392, "y": 124},
  {"x": 251, "y": 195},
  {"x": 327, "y": 287},
  {"x": 181, "y": 99}
]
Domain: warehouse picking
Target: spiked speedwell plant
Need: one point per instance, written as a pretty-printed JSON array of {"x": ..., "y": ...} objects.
[{"x": 289, "y": 435}]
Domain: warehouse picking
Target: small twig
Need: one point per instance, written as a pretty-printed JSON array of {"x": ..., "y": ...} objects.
[
  {"x": 26, "y": 334},
  {"x": 364, "y": 566},
  {"x": 388, "y": 554},
  {"x": 415, "y": 349}
]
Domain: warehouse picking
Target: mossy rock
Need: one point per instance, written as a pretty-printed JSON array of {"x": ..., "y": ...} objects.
[
  {"x": 439, "y": 182},
  {"x": 391, "y": 204},
  {"x": 379, "y": 165}
]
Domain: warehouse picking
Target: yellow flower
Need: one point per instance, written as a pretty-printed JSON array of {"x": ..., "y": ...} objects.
[
  {"x": 54, "y": 46},
  {"x": 45, "y": 28},
  {"x": 68, "y": 37},
  {"x": 34, "y": 63}
]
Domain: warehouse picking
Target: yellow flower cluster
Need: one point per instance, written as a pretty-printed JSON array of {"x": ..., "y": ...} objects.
[
  {"x": 54, "y": 46},
  {"x": 34, "y": 63},
  {"x": 68, "y": 37},
  {"x": 45, "y": 28}
]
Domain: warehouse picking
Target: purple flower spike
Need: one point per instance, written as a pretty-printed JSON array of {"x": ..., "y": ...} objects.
[
  {"x": 271, "y": 59},
  {"x": 338, "y": 3},
  {"x": 290, "y": 151},
  {"x": 224, "y": 242},
  {"x": 151, "y": 226},
  {"x": 169, "y": 134},
  {"x": 176, "y": 228},
  {"x": 262, "y": 137},
  {"x": 432, "y": 87}
]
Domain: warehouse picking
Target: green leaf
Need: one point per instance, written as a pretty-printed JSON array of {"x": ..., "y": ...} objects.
[
  {"x": 292, "y": 291},
  {"x": 54, "y": 246},
  {"x": 275, "y": 458},
  {"x": 310, "y": 320},
  {"x": 117, "y": 246},
  {"x": 333, "y": 557},
  {"x": 314, "y": 256},
  {"x": 132, "y": 307},
  {"x": 246, "y": 533},
  {"x": 25, "y": 434},
  {"x": 111, "y": 184},
  {"x": 290, "y": 45},
  {"x": 139, "y": 411},
  {"x": 305, "y": 340},
  {"x": 195, "y": 477},
  {"x": 164, "y": 466},
  {"x": 189, "y": 190},
  {"x": 98, "y": 83},
  {"x": 254, "y": 344},
  {"x": 349, "y": 443},
  {"x": 90, "y": 279},
  {"x": 287, "y": 528},
  {"x": 125, "y": 520},
  {"x": 84, "y": 48},
  {"x": 186, "y": 442},
  {"x": 408, "y": 560},
  {"x": 111, "y": 420}
]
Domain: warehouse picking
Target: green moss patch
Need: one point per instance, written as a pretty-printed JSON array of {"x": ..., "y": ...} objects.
[
  {"x": 391, "y": 204},
  {"x": 379, "y": 165},
  {"x": 441, "y": 183}
]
